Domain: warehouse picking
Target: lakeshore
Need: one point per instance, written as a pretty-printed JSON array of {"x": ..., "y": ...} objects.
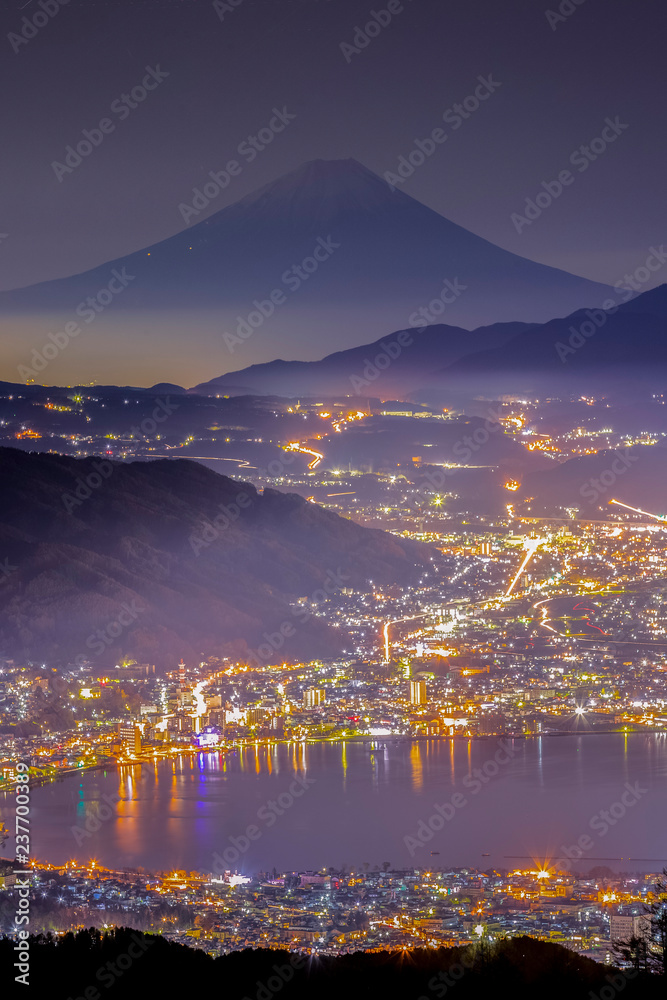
[{"x": 363, "y": 799}]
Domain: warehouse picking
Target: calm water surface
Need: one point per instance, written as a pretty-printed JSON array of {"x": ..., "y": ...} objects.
[{"x": 360, "y": 806}]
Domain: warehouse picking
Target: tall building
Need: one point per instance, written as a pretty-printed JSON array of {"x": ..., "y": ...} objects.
[
  {"x": 418, "y": 692},
  {"x": 256, "y": 716},
  {"x": 183, "y": 692},
  {"x": 185, "y": 698},
  {"x": 312, "y": 697},
  {"x": 130, "y": 737},
  {"x": 216, "y": 717},
  {"x": 622, "y": 927}
]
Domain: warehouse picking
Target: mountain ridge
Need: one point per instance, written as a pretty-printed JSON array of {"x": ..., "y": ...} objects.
[
  {"x": 390, "y": 256},
  {"x": 632, "y": 334},
  {"x": 204, "y": 563},
  {"x": 422, "y": 347}
]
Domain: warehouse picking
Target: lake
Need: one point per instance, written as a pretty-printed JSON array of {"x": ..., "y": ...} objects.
[{"x": 475, "y": 803}]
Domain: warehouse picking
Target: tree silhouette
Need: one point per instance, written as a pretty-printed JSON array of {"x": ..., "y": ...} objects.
[
  {"x": 634, "y": 951},
  {"x": 658, "y": 911}
]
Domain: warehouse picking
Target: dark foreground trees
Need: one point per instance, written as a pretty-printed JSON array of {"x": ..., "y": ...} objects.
[
  {"x": 127, "y": 964},
  {"x": 647, "y": 951}
]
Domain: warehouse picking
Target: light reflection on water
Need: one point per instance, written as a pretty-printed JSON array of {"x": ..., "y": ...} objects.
[{"x": 364, "y": 803}]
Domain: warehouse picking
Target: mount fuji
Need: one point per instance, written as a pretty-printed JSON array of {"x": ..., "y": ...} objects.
[{"x": 389, "y": 256}]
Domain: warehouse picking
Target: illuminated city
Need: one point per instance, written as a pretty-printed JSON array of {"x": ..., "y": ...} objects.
[
  {"x": 333, "y": 500},
  {"x": 525, "y": 625}
]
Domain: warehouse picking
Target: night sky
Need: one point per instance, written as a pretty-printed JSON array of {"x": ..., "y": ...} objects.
[{"x": 228, "y": 69}]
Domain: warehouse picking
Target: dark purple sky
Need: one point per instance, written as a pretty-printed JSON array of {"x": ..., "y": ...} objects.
[{"x": 226, "y": 76}]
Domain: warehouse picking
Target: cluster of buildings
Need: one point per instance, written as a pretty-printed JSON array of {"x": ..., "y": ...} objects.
[
  {"x": 346, "y": 700},
  {"x": 580, "y": 645},
  {"x": 333, "y": 912},
  {"x": 525, "y": 626}
]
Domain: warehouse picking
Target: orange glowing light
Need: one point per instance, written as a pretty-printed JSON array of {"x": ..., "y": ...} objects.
[
  {"x": 531, "y": 549},
  {"x": 638, "y": 510},
  {"x": 296, "y": 446}
]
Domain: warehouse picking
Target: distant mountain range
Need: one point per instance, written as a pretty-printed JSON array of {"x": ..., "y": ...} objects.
[
  {"x": 166, "y": 559},
  {"x": 349, "y": 256},
  {"x": 589, "y": 346},
  {"x": 389, "y": 368}
]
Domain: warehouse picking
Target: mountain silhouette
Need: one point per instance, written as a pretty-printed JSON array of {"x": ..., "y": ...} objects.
[
  {"x": 389, "y": 256},
  {"x": 185, "y": 560},
  {"x": 590, "y": 346}
]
